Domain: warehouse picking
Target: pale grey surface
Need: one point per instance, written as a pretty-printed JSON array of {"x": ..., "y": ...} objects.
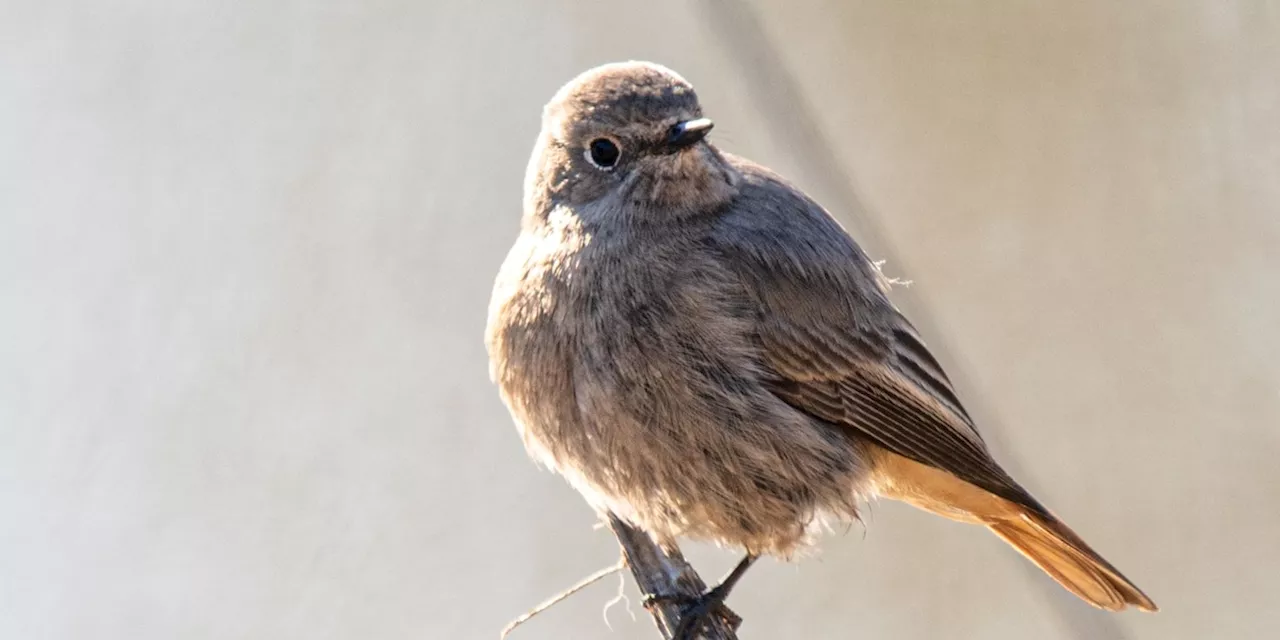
[{"x": 245, "y": 253}]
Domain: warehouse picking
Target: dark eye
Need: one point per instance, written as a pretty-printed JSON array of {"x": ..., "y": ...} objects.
[{"x": 603, "y": 153}]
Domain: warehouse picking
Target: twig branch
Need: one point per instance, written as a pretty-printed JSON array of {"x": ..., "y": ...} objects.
[
  {"x": 582, "y": 584},
  {"x": 664, "y": 572}
]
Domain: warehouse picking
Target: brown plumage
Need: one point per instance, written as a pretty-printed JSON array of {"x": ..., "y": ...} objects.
[{"x": 701, "y": 349}]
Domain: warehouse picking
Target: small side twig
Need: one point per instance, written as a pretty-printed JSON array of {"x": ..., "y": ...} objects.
[
  {"x": 663, "y": 571},
  {"x": 583, "y": 584}
]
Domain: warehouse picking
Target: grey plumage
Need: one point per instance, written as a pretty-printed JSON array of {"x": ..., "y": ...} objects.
[{"x": 700, "y": 348}]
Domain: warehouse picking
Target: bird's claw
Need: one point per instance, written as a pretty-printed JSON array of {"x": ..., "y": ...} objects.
[
  {"x": 695, "y": 611},
  {"x": 653, "y": 599}
]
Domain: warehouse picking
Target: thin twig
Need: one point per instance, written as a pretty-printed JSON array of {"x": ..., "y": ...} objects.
[
  {"x": 663, "y": 572},
  {"x": 583, "y": 584}
]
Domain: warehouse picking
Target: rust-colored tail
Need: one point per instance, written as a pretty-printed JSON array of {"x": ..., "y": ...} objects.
[
  {"x": 1027, "y": 526},
  {"x": 1057, "y": 550}
]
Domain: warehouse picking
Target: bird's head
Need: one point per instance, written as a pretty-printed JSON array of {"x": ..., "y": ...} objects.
[{"x": 632, "y": 137}]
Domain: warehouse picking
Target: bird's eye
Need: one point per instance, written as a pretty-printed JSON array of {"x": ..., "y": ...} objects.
[{"x": 603, "y": 153}]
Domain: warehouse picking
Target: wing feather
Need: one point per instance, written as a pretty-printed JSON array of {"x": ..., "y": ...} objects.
[{"x": 835, "y": 346}]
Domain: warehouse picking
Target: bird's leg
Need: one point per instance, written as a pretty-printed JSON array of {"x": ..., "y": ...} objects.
[{"x": 700, "y": 608}]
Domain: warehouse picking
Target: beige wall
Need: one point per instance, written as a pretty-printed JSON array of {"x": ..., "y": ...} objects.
[{"x": 245, "y": 253}]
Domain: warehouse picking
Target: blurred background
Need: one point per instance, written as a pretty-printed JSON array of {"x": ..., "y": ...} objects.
[{"x": 246, "y": 251}]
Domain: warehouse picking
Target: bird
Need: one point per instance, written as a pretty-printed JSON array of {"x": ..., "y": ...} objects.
[{"x": 701, "y": 349}]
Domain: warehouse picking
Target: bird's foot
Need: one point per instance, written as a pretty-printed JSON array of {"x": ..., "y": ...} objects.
[
  {"x": 652, "y": 600},
  {"x": 697, "y": 611},
  {"x": 700, "y": 610}
]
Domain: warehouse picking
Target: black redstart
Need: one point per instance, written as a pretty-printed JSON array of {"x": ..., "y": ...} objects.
[{"x": 700, "y": 349}]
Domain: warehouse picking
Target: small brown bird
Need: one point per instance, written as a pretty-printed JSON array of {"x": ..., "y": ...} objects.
[{"x": 702, "y": 350}]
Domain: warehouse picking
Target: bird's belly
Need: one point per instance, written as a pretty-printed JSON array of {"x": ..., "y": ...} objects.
[
  {"x": 689, "y": 443},
  {"x": 648, "y": 398}
]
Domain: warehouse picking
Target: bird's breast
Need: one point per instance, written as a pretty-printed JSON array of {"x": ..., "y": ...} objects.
[
  {"x": 598, "y": 329},
  {"x": 632, "y": 370}
]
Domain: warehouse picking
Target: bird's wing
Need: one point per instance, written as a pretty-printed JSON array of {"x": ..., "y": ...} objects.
[{"x": 833, "y": 344}]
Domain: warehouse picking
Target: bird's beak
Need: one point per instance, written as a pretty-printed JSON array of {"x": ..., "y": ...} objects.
[{"x": 685, "y": 134}]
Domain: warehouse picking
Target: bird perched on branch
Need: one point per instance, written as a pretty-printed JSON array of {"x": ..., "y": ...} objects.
[{"x": 702, "y": 350}]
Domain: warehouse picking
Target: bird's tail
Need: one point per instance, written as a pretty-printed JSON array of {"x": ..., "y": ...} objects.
[
  {"x": 1056, "y": 549},
  {"x": 1025, "y": 525}
]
